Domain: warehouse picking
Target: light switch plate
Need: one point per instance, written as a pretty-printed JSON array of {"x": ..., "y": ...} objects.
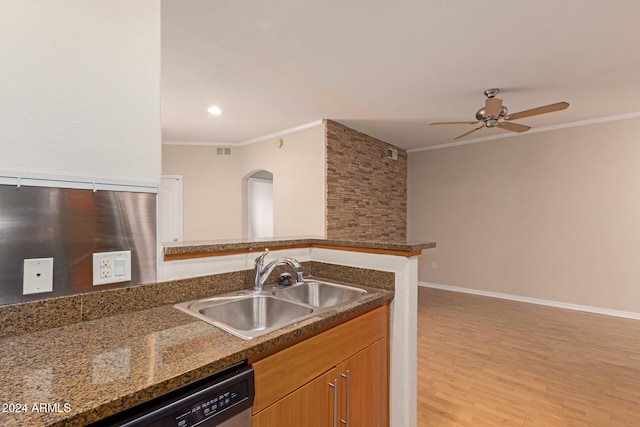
[{"x": 38, "y": 276}]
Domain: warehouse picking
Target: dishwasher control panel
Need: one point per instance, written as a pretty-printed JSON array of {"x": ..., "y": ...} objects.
[{"x": 212, "y": 405}]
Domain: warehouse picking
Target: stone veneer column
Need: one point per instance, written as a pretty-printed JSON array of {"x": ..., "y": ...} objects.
[{"x": 366, "y": 190}]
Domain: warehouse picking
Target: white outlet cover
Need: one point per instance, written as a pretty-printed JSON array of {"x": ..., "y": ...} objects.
[
  {"x": 38, "y": 276},
  {"x": 109, "y": 258}
]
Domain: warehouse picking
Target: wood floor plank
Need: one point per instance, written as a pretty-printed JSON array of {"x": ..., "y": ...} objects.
[{"x": 491, "y": 362}]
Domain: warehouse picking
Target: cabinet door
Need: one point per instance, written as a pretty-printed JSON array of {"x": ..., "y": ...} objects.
[
  {"x": 364, "y": 387},
  {"x": 312, "y": 405}
]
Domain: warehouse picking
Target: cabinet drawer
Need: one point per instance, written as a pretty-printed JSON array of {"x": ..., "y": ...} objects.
[{"x": 285, "y": 371}]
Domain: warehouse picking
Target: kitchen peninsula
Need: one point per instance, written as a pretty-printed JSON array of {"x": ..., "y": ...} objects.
[{"x": 398, "y": 258}]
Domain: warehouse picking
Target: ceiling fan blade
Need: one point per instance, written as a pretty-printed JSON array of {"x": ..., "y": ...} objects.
[
  {"x": 493, "y": 106},
  {"x": 454, "y": 123},
  {"x": 539, "y": 110},
  {"x": 514, "y": 127},
  {"x": 468, "y": 132}
]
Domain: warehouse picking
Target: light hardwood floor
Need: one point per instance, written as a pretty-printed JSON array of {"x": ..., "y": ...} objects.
[{"x": 491, "y": 362}]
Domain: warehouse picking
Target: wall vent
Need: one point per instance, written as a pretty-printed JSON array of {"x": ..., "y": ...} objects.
[
  {"x": 392, "y": 153},
  {"x": 224, "y": 151}
]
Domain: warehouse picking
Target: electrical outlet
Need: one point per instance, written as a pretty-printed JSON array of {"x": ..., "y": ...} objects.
[
  {"x": 105, "y": 272},
  {"x": 111, "y": 267},
  {"x": 434, "y": 265}
]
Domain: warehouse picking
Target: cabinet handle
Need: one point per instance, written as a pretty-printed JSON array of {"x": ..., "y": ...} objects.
[
  {"x": 346, "y": 415},
  {"x": 335, "y": 402}
]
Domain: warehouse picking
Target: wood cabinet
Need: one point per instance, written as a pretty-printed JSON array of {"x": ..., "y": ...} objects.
[{"x": 339, "y": 375}]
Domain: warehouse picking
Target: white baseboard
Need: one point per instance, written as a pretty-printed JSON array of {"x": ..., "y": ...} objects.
[{"x": 539, "y": 301}]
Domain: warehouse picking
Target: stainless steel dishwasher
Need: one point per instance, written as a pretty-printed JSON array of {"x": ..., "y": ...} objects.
[{"x": 221, "y": 400}]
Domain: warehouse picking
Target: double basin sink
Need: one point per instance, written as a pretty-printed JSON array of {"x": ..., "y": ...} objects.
[{"x": 250, "y": 314}]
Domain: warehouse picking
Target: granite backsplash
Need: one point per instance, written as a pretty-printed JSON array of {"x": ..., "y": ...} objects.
[{"x": 44, "y": 314}]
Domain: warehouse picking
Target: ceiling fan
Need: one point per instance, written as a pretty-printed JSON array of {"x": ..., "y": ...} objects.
[{"x": 494, "y": 114}]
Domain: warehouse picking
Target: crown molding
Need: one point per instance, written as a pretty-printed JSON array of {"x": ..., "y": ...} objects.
[
  {"x": 283, "y": 132},
  {"x": 273, "y": 135},
  {"x": 210, "y": 144}
]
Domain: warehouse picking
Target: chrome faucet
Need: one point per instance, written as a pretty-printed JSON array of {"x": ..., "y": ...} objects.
[{"x": 263, "y": 271}]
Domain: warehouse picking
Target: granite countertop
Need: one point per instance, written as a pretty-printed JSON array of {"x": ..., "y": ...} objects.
[
  {"x": 87, "y": 371},
  {"x": 226, "y": 246}
]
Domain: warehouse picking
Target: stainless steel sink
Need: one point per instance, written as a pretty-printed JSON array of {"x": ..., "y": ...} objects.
[
  {"x": 249, "y": 314},
  {"x": 257, "y": 313},
  {"x": 320, "y": 294}
]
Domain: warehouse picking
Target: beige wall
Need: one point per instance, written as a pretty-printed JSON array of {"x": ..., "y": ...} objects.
[
  {"x": 298, "y": 180},
  {"x": 210, "y": 190},
  {"x": 214, "y": 192},
  {"x": 552, "y": 215}
]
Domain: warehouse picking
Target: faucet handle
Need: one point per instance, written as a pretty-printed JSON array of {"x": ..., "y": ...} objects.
[{"x": 260, "y": 259}]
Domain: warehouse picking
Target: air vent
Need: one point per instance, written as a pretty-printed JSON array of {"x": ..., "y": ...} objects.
[
  {"x": 392, "y": 153},
  {"x": 226, "y": 151}
]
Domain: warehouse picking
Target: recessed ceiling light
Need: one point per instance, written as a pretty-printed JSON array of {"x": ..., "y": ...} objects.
[{"x": 215, "y": 110}]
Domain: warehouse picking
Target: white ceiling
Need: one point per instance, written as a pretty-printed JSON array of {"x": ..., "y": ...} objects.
[{"x": 389, "y": 68}]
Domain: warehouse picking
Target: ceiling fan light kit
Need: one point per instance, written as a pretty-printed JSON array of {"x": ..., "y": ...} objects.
[{"x": 495, "y": 114}]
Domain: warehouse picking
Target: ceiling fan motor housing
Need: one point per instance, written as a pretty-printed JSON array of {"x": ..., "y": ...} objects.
[{"x": 481, "y": 114}]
